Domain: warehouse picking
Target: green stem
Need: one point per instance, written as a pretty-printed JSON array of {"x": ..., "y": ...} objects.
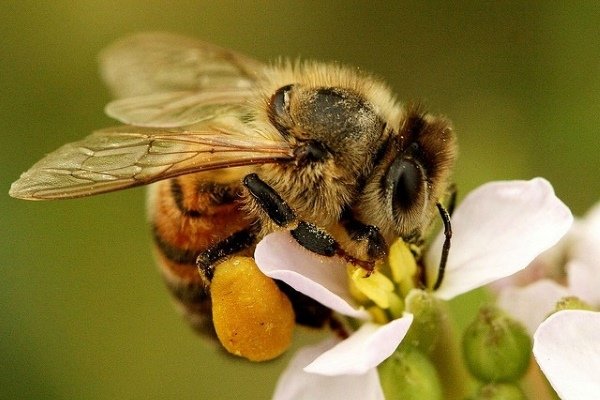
[{"x": 447, "y": 357}]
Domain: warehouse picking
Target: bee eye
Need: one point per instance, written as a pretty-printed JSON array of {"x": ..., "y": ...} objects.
[
  {"x": 404, "y": 178},
  {"x": 280, "y": 101}
]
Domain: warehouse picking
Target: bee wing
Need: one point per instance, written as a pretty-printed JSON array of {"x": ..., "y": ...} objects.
[
  {"x": 166, "y": 80},
  {"x": 150, "y": 63},
  {"x": 174, "y": 109},
  {"x": 127, "y": 156}
]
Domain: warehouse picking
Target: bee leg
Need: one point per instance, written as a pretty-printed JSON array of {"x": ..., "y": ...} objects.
[
  {"x": 446, "y": 247},
  {"x": 445, "y": 214},
  {"x": 376, "y": 245},
  {"x": 318, "y": 241},
  {"x": 452, "y": 193},
  {"x": 270, "y": 201},
  {"x": 307, "y": 234},
  {"x": 207, "y": 259},
  {"x": 315, "y": 239}
]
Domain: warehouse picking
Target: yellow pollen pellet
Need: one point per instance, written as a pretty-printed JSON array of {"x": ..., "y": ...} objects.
[{"x": 252, "y": 317}]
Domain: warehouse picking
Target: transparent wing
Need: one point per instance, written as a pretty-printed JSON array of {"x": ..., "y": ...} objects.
[
  {"x": 126, "y": 156},
  {"x": 151, "y": 63},
  {"x": 174, "y": 109},
  {"x": 166, "y": 80}
]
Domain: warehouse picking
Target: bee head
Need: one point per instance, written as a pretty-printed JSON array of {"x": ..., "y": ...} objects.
[
  {"x": 411, "y": 176},
  {"x": 418, "y": 176}
]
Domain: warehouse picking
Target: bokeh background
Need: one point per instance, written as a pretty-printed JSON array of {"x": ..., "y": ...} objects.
[{"x": 83, "y": 313}]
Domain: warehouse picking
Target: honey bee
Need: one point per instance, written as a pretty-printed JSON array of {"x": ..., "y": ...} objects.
[{"x": 235, "y": 149}]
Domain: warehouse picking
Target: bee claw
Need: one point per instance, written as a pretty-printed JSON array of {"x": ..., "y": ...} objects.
[{"x": 368, "y": 266}]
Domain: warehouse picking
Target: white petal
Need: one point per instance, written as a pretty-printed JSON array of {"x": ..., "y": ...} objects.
[
  {"x": 584, "y": 280},
  {"x": 295, "y": 384},
  {"x": 324, "y": 279},
  {"x": 531, "y": 304},
  {"x": 363, "y": 350},
  {"x": 592, "y": 221},
  {"x": 567, "y": 349},
  {"x": 498, "y": 230},
  {"x": 550, "y": 264},
  {"x": 585, "y": 245},
  {"x": 539, "y": 268}
]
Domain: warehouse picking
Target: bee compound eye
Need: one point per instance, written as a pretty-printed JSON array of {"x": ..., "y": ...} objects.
[
  {"x": 405, "y": 177},
  {"x": 280, "y": 101}
]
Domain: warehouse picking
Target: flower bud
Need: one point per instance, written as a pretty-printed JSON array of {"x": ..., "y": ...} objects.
[
  {"x": 409, "y": 375},
  {"x": 499, "y": 391},
  {"x": 425, "y": 329},
  {"x": 495, "y": 347},
  {"x": 572, "y": 303}
]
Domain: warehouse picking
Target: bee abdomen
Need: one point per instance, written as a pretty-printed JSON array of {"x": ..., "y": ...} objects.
[{"x": 188, "y": 216}]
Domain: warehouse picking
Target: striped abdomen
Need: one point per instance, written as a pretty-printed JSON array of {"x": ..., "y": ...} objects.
[{"x": 188, "y": 215}]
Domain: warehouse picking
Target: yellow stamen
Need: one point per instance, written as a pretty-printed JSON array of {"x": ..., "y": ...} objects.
[
  {"x": 379, "y": 316},
  {"x": 396, "y": 306},
  {"x": 377, "y": 287},
  {"x": 354, "y": 290},
  {"x": 403, "y": 265}
]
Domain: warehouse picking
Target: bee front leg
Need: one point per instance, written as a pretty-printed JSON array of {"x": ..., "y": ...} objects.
[
  {"x": 445, "y": 214},
  {"x": 376, "y": 246},
  {"x": 307, "y": 234}
]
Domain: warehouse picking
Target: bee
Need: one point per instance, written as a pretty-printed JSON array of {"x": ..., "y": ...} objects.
[{"x": 235, "y": 149}]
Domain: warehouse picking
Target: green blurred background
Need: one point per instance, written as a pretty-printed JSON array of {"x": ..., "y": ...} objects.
[{"x": 84, "y": 314}]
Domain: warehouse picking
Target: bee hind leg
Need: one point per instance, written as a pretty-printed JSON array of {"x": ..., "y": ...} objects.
[{"x": 207, "y": 260}]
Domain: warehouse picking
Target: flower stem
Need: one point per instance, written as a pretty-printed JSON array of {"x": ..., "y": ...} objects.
[{"x": 446, "y": 355}]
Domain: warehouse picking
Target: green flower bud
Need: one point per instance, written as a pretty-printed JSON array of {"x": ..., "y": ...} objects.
[
  {"x": 409, "y": 375},
  {"x": 499, "y": 391},
  {"x": 572, "y": 303},
  {"x": 496, "y": 348},
  {"x": 429, "y": 313}
]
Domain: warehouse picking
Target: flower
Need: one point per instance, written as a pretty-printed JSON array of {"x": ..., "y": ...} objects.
[
  {"x": 569, "y": 269},
  {"x": 498, "y": 230},
  {"x": 567, "y": 276},
  {"x": 567, "y": 349}
]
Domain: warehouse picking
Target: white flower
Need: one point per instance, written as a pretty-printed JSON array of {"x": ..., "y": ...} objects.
[
  {"x": 567, "y": 349},
  {"x": 567, "y": 343},
  {"x": 296, "y": 384},
  {"x": 571, "y": 268},
  {"x": 497, "y": 230}
]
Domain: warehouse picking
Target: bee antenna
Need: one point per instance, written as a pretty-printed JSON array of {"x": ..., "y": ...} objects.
[
  {"x": 446, "y": 248},
  {"x": 452, "y": 194}
]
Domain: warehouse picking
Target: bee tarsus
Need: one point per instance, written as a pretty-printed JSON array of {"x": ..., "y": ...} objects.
[
  {"x": 313, "y": 238},
  {"x": 377, "y": 247}
]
